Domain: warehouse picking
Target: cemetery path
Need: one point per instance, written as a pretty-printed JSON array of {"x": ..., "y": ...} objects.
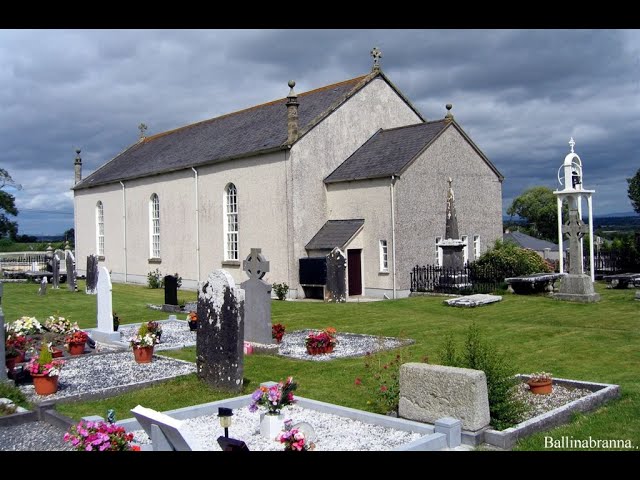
[{"x": 32, "y": 436}]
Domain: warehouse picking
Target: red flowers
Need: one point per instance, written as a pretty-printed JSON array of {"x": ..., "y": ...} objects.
[
  {"x": 358, "y": 381},
  {"x": 277, "y": 332}
]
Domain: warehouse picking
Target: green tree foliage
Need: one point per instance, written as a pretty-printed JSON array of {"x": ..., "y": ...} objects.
[
  {"x": 507, "y": 259},
  {"x": 537, "y": 206},
  {"x": 634, "y": 191},
  {"x": 70, "y": 235},
  {"x": 8, "y": 228}
]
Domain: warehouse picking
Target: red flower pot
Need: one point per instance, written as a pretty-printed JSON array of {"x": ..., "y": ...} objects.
[
  {"x": 76, "y": 348},
  {"x": 44, "y": 384},
  {"x": 20, "y": 357},
  {"x": 540, "y": 388},
  {"x": 143, "y": 354},
  {"x": 57, "y": 353},
  {"x": 10, "y": 362}
]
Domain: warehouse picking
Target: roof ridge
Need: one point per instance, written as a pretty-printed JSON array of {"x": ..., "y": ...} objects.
[
  {"x": 260, "y": 105},
  {"x": 431, "y": 122}
]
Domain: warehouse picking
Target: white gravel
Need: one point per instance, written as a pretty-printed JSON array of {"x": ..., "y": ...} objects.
[
  {"x": 334, "y": 433},
  {"x": 539, "y": 404},
  {"x": 348, "y": 345},
  {"x": 175, "y": 334},
  {"x": 100, "y": 373}
]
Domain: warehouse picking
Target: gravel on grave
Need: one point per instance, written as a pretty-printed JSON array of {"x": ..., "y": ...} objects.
[
  {"x": 175, "y": 334},
  {"x": 540, "y": 404},
  {"x": 95, "y": 373},
  {"x": 32, "y": 436},
  {"x": 348, "y": 345},
  {"x": 334, "y": 433}
]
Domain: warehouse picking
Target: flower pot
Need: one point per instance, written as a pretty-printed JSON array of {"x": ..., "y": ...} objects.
[
  {"x": 271, "y": 424},
  {"x": 540, "y": 388},
  {"x": 20, "y": 357},
  {"x": 329, "y": 349},
  {"x": 57, "y": 353},
  {"x": 143, "y": 354},
  {"x": 44, "y": 384},
  {"x": 76, "y": 348},
  {"x": 10, "y": 362},
  {"x": 193, "y": 325}
]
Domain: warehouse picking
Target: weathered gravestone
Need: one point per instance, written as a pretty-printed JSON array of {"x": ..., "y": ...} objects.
[
  {"x": 71, "y": 272},
  {"x": 55, "y": 279},
  {"x": 170, "y": 290},
  {"x": 3, "y": 373},
  {"x": 336, "y": 288},
  {"x": 104, "y": 332},
  {"x": 92, "y": 274},
  {"x": 257, "y": 307},
  {"x": 43, "y": 286},
  {"x": 220, "y": 337}
]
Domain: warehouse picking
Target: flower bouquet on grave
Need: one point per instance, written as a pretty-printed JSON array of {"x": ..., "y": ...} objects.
[
  {"x": 155, "y": 329},
  {"x": 60, "y": 325},
  {"x": 45, "y": 370},
  {"x": 75, "y": 342},
  {"x": 99, "y": 437},
  {"x": 143, "y": 343},
  {"x": 277, "y": 332},
  {"x": 192, "y": 318},
  {"x": 274, "y": 399},
  {"x": 321, "y": 342},
  {"x": 294, "y": 439}
]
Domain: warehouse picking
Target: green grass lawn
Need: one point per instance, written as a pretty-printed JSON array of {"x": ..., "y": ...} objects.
[{"x": 595, "y": 342}]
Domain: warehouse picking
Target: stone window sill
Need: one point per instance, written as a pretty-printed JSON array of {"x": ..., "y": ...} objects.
[
  {"x": 101, "y": 258},
  {"x": 155, "y": 260},
  {"x": 231, "y": 263},
  {"x": 383, "y": 272}
]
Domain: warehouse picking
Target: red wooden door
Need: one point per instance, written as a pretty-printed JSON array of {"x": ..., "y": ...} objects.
[{"x": 354, "y": 267}]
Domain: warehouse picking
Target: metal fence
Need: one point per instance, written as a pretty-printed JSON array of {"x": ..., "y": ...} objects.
[
  {"x": 23, "y": 261},
  {"x": 469, "y": 279},
  {"x": 614, "y": 262}
]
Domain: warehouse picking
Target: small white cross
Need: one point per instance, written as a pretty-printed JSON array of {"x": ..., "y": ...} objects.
[{"x": 572, "y": 144}]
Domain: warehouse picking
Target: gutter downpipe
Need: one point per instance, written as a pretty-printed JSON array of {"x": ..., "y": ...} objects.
[
  {"x": 393, "y": 232},
  {"x": 124, "y": 223},
  {"x": 197, "y": 228}
]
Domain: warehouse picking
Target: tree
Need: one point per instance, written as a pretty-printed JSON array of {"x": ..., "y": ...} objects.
[
  {"x": 7, "y": 206},
  {"x": 70, "y": 235},
  {"x": 538, "y": 207},
  {"x": 634, "y": 191}
]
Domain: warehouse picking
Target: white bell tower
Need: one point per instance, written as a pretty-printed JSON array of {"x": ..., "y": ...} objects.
[{"x": 571, "y": 181}]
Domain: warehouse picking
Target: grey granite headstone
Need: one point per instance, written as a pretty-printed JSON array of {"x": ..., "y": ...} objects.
[
  {"x": 170, "y": 290},
  {"x": 3, "y": 373},
  {"x": 71, "y": 271},
  {"x": 104, "y": 332},
  {"x": 55, "y": 279},
  {"x": 257, "y": 306},
  {"x": 92, "y": 274},
  {"x": 220, "y": 335},
  {"x": 336, "y": 288},
  {"x": 43, "y": 286}
]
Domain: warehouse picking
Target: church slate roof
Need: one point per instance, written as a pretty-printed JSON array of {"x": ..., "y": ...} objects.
[
  {"x": 335, "y": 233},
  {"x": 527, "y": 241},
  {"x": 258, "y": 129},
  {"x": 387, "y": 152}
]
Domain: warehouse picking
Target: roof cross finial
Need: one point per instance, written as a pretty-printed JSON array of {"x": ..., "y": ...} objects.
[
  {"x": 142, "y": 127},
  {"x": 377, "y": 55},
  {"x": 572, "y": 143}
]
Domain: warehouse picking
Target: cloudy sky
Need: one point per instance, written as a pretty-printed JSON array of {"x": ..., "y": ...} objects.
[{"x": 519, "y": 94}]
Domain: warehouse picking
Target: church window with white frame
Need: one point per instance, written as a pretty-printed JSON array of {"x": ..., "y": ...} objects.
[
  {"x": 154, "y": 226},
  {"x": 231, "y": 223},
  {"x": 384, "y": 259},
  {"x": 438, "y": 252},
  {"x": 100, "y": 229},
  {"x": 476, "y": 247},
  {"x": 465, "y": 251}
]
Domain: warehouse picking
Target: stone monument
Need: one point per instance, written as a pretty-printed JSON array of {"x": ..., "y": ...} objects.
[
  {"x": 55, "y": 278},
  {"x": 575, "y": 286},
  {"x": 452, "y": 248},
  {"x": 170, "y": 290},
  {"x": 104, "y": 332},
  {"x": 43, "y": 286},
  {"x": 257, "y": 306},
  {"x": 220, "y": 337},
  {"x": 336, "y": 287},
  {"x": 71, "y": 271},
  {"x": 92, "y": 275}
]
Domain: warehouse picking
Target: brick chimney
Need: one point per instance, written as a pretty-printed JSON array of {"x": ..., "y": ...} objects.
[
  {"x": 78, "y": 166},
  {"x": 292, "y": 114}
]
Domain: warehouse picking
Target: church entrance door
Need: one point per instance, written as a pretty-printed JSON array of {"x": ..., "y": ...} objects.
[{"x": 354, "y": 270}]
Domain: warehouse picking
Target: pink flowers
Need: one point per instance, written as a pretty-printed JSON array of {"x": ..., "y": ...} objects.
[
  {"x": 99, "y": 436},
  {"x": 274, "y": 398},
  {"x": 293, "y": 440}
]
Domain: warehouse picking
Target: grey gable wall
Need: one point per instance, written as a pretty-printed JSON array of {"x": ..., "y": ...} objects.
[
  {"x": 325, "y": 147},
  {"x": 421, "y": 195}
]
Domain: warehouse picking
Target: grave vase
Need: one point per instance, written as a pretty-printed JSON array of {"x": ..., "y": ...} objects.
[
  {"x": 143, "y": 354},
  {"x": 44, "y": 384},
  {"x": 271, "y": 424},
  {"x": 76, "y": 348},
  {"x": 540, "y": 388}
]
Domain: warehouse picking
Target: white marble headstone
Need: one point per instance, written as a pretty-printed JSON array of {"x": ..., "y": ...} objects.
[{"x": 105, "y": 310}]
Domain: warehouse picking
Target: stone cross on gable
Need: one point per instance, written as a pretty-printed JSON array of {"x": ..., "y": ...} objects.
[
  {"x": 255, "y": 266},
  {"x": 143, "y": 128},
  {"x": 575, "y": 229},
  {"x": 377, "y": 55}
]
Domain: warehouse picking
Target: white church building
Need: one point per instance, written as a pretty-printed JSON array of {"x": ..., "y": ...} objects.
[{"x": 352, "y": 165}]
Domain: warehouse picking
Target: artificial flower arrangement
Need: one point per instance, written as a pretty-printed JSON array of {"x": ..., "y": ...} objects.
[
  {"x": 60, "y": 325},
  {"x": 192, "y": 318},
  {"x": 26, "y": 326},
  {"x": 294, "y": 439},
  {"x": 155, "y": 328},
  {"x": 14, "y": 345},
  {"x": 322, "y": 341},
  {"x": 539, "y": 377},
  {"x": 45, "y": 364},
  {"x": 78, "y": 336},
  {"x": 274, "y": 398},
  {"x": 277, "y": 332},
  {"x": 144, "y": 337},
  {"x": 99, "y": 437}
]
